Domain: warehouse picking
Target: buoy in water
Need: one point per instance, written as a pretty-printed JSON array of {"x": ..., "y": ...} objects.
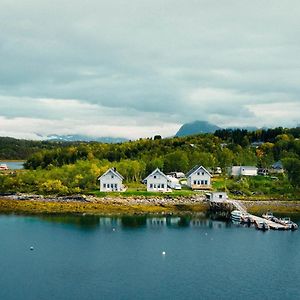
[
  {"x": 114, "y": 229},
  {"x": 31, "y": 248},
  {"x": 163, "y": 253}
]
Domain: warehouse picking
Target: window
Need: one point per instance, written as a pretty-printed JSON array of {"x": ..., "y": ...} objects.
[
  {"x": 112, "y": 185},
  {"x": 205, "y": 182},
  {"x": 202, "y": 173},
  {"x": 162, "y": 185},
  {"x": 198, "y": 182},
  {"x": 198, "y": 173},
  {"x": 154, "y": 176},
  {"x": 151, "y": 185},
  {"x": 158, "y": 186},
  {"x": 154, "y": 185},
  {"x": 220, "y": 196},
  {"x": 116, "y": 185},
  {"x": 202, "y": 181},
  {"x": 112, "y": 176},
  {"x": 104, "y": 185},
  {"x": 195, "y": 182}
]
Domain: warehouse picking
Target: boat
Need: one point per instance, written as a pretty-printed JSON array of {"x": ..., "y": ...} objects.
[
  {"x": 269, "y": 216},
  {"x": 262, "y": 225},
  {"x": 287, "y": 222},
  {"x": 237, "y": 215}
]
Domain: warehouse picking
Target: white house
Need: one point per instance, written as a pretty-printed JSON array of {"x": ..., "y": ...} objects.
[
  {"x": 216, "y": 196},
  {"x": 199, "y": 178},
  {"x": 243, "y": 171},
  {"x": 157, "y": 181},
  {"x": 111, "y": 181}
]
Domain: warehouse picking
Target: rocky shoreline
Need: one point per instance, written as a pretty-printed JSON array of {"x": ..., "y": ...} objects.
[
  {"x": 195, "y": 199},
  {"x": 22, "y": 202}
]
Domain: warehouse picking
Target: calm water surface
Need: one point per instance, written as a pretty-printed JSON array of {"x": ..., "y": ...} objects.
[
  {"x": 13, "y": 165},
  {"x": 121, "y": 258}
]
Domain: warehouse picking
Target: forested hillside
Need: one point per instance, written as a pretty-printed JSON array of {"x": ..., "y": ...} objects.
[
  {"x": 11, "y": 148},
  {"x": 72, "y": 168}
]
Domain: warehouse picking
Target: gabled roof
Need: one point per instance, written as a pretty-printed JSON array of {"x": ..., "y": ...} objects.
[
  {"x": 157, "y": 170},
  {"x": 114, "y": 171},
  {"x": 195, "y": 169}
]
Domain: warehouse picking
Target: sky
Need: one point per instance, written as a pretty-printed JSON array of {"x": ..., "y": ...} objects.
[{"x": 136, "y": 68}]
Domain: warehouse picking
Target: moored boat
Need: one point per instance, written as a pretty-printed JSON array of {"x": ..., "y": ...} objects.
[
  {"x": 262, "y": 225},
  {"x": 269, "y": 216},
  {"x": 237, "y": 215},
  {"x": 287, "y": 222}
]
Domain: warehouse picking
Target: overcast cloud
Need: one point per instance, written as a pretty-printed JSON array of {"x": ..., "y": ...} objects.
[{"x": 138, "y": 68}]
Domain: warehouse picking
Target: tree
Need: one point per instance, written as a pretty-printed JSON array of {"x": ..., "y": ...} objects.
[{"x": 292, "y": 165}]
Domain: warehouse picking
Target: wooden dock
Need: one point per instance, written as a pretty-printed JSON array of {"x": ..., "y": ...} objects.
[
  {"x": 271, "y": 224},
  {"x": 235, "y": 204}
]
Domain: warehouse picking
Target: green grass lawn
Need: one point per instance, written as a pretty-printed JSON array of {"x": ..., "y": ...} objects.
[
  {"x": 139, "y": 189},
  {"x": 257, "y": 188}
]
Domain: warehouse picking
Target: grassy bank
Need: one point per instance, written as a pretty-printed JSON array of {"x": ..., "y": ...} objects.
[
  {"x": 40, "y": 207},
  {"x": 144, "y": 193},
  {"x": 281, "y": 207}
]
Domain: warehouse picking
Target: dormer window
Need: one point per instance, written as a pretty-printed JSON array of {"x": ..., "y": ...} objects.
[
  {"x": 154, "y": 176},
  {"x": 198, "y": 173}
]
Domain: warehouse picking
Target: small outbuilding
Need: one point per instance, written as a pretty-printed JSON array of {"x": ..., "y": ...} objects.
[
  {"x": 277, "y": 168},
  {"x": 157, "y": 181},
  {"x": 199, "y": 178},
  {"x": 216, "y": 196},
  {"x": 111, "y": 181}
]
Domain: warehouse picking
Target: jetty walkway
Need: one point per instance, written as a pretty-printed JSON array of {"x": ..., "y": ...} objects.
[{"x": 238, "y": 205}]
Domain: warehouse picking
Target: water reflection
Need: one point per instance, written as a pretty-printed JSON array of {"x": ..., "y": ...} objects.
[{"x": 89, "y": 222}]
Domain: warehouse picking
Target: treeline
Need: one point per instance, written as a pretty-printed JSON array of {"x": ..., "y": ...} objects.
[
  {"x": 244, "y": 137},
  {"x": 225, "y": 148},
  {"x": 173, "y": 154},
  {"x": 11, "y": 148}
]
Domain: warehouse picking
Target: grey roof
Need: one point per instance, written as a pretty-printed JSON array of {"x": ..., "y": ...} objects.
[
  {"x": 159, "y": 171},
  {"x": 277, "y": 165},
  {"x": 114, "y": 171},
  {"x": 196, "y": 168}
]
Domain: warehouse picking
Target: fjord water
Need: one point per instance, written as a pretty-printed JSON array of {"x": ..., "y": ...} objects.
[
  {"x": 89, "y": 257},
  {"x": 13, "y": 165}
]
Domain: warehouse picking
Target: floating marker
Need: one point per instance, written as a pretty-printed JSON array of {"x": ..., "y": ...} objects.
[
  {"x": 31, "y": 248},
  {"x": 163, "y": 253}
]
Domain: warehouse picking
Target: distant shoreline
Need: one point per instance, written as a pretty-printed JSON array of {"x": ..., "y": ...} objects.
[
  {"x": 12, "y": 160},
  {"x": 36, "y": 204}
]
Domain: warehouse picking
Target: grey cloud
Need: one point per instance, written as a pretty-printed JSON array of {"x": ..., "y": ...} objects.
[{"x": 143, "y": 59}]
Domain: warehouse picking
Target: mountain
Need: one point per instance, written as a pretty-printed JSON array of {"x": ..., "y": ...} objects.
[
  {"x": 84, "y": 138},
  {"x": 196, "y": 127}
]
